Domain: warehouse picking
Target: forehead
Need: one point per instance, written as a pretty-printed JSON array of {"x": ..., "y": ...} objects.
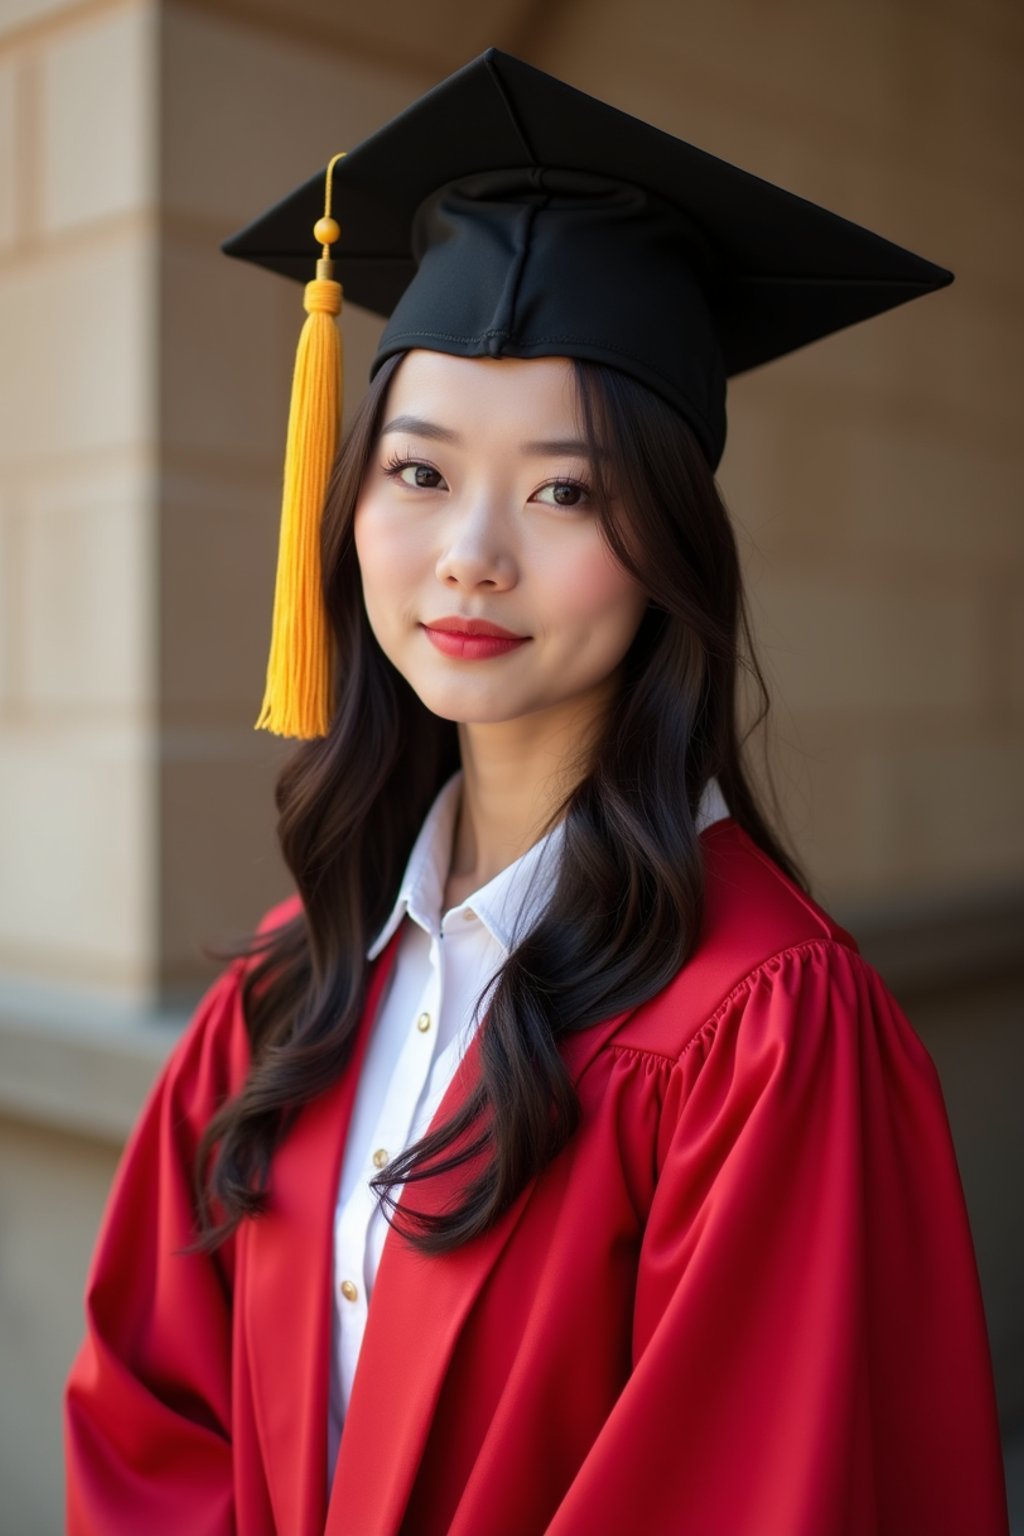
[{"x": 505, "y": 391}]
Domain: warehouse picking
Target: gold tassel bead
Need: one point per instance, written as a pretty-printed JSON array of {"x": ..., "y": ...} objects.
[{"x": 326, "y": 230}]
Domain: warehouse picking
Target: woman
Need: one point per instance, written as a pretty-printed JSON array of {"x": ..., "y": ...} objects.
[{"x": 675, "y": 1240}]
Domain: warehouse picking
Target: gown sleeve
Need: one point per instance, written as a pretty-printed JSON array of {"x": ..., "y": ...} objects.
[
  {"x": 147, "y": 1404},
  {"x": 810, "y": 1356}
]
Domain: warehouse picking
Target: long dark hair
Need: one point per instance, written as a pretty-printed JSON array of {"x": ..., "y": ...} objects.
[{"x": 626, "y": 908}]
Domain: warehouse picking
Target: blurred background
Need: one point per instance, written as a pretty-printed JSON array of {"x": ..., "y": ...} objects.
[{"x": 875, "y": 480}]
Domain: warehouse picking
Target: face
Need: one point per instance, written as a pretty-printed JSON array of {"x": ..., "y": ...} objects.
[{"x": 476, "y": 509}]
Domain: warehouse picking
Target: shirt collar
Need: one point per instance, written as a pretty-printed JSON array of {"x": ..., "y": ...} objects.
[{"x": 515, "y": 898}]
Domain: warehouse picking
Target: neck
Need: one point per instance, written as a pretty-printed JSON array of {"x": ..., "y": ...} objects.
[{"x": 516, "y": 776}]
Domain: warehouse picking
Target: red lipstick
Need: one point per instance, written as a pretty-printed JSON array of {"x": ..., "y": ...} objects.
[{"x": 471, "y": 639}]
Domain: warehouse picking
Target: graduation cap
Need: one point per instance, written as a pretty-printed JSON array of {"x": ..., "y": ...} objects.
[{"x": 506, "y": 214}]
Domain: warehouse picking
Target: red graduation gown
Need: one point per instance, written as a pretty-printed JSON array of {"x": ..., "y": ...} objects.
[{"x": 742, "y": 1302}]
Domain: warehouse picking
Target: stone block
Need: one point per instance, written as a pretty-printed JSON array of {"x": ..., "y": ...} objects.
[
  {"x": 1009, "y": 660},
  {"x": 918, "y": 492},
  {"x": 17, "y": 13},
  {"x": 803, "y": 473},
  {"x": 76, "y": 899},
  {"x": 11, "y": 150},
  {"x": 225, "y": 368},
  {"x": 77, "y": 334},
  {"x": 218, "y": 558},
  {"x": 947, "y": 808},
  {"x": 220, "y": 866},
  {"x": 951, "y": 356},
  {"x": 87, "y": 583},
  {"x": 891, "y": 816},
  {"x": 249, "y": 112},
  {"x": 99, "y": 117},
  {"x": 853, "y": 639},
  {"x": 10, "y": 597},
  {"x": 814, "y": 765},
  {"x": 795, "y": 89}
]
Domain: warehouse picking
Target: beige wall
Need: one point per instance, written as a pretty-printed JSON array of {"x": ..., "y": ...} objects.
[
  {"x": 875, "y": 481},
  {"x": 77, "y": 486}
]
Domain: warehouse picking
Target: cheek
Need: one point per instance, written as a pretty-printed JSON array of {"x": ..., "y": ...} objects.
[
  {"x": 601, "y": 598},
  {"x": 386, "y": 559}
]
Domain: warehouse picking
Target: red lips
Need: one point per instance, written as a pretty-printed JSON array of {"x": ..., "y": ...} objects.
[
  {"x": 471, "y": 639},
  {"x": 454, "y": 625}
]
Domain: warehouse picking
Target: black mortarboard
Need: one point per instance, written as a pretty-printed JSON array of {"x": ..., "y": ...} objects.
[{"x": 506, "y": 214}]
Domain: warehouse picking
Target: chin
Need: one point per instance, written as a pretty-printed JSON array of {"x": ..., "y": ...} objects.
[
  {"x": 479, "y": 707},
  {"x": 466, "y": 715}
]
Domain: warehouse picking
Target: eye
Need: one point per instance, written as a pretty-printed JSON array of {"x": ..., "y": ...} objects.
[
  {"x": 568, "y": 493},
  {"x": 414, "y": 473}
]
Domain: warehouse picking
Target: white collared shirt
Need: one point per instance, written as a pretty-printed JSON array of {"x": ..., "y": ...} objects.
[{"x": 426, "y": 1019}]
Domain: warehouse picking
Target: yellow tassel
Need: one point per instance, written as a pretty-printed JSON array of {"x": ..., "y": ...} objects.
[{"x": 297, "y": 699}]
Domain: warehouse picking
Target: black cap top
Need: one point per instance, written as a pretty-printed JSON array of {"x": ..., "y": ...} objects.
[{"x": 505, "y": 214}]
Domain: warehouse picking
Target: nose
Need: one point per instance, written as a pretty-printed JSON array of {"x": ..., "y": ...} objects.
[{"x": 477, "y": 550}]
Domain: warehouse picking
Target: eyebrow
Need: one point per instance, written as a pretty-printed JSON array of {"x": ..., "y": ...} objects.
[{"x": 418, "y": 427}]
